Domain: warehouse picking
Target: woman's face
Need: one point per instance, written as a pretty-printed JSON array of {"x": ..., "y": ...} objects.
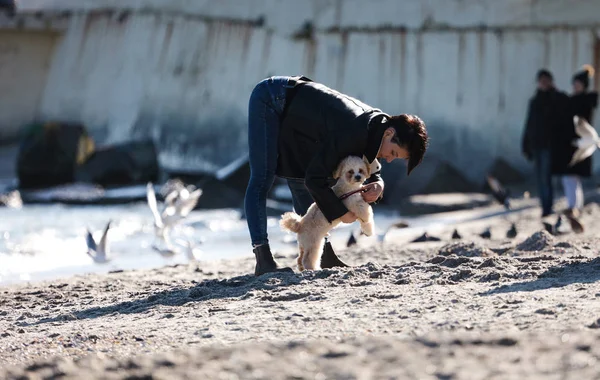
[
  {"x": 578, "y": 87},
  {"x": 390, "y": 150}
]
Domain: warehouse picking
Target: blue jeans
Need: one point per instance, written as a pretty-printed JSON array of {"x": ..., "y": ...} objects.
[
  {"x": 543, "y": 167},
  {"x": 264, "y": 111}
]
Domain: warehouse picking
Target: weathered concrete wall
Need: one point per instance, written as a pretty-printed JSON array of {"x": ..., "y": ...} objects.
[
  {"x": 184, "y": 83},
  {"x": 182, "y": 71},
  {"x": 286, "y": 16},
  {"x": 24, "y": 61}
]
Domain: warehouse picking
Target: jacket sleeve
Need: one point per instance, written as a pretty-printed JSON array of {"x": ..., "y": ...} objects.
[
  {"x": 319, "y": 170},
  {"x": 375, "y": 177}
]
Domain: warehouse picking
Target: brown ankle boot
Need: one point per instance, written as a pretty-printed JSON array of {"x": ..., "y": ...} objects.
[
  {"x": 330, "y": 259},
  {"x": 265, "y": 263}
]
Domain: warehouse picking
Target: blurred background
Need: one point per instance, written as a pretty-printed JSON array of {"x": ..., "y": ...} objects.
[{"x": 113, "y": 94}]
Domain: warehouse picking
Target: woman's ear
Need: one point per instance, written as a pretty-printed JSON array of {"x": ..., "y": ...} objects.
[{"x": 389, "y": 132}]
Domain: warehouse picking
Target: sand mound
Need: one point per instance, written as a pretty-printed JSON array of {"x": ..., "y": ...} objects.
[
  {"x": 466, "y": 249},
  {"x": 592, "y": 209},
  {"x": 537, "y": 242}
]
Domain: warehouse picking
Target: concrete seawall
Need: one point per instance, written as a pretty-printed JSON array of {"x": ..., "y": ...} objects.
[{"x": 181, "y": 72}]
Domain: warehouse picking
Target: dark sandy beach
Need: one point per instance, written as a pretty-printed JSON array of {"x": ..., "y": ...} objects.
[{"x": 504, "y": 308}]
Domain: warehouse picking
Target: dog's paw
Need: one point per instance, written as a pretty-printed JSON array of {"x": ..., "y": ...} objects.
[
  {"x": 300, "y": 265},
  {"x": 367, "y": 230}
]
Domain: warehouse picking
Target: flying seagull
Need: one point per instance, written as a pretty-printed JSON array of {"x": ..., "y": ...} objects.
[
  {"x": 99, "y": 252},
  {"x": 398, "y": 225},
  {"x": 178, "y": 204},
  {"x": 499, "y": 192},
  {"x": 587, "y": 143},
  {"x": 167, "y": 252},
  {"x": 190, "y": 253},
  {"x": 550, "y": 228}
]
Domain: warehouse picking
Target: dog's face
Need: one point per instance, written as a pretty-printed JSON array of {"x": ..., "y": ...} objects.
[{"x": 352, "y": 170}]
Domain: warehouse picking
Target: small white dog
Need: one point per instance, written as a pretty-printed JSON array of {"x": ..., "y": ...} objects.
[{"x": 313, "y": 227}]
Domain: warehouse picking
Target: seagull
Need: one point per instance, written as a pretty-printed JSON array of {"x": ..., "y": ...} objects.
[
  {"x": 499, "y": 192},
  {"x": 351, "y": 240},
  {"x": 161, "y": 226},
  {"x": 189, "y": 250},
  {"x": 399, "y": 225},
  {"x": 549, "y": 227},
  {"x": 99, "y": 252},
  {"x": 558, "y": 228},
  {"x": 178, "y": 204},
  {"x": 487, "y": 234},
  {"x": 425, "y": 237},
  {"x": 181, "y": 200},
  {"x": 587, "y": 142},
  {"x": 167, "y": 252},
  {"x": 512, "y": 233},
  {"x": 456, "y": 235}
]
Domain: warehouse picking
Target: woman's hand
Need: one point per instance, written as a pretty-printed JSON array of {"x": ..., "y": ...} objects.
[
  {"x": 348, "y": 217},
  {"x": 373, "y": 191}
]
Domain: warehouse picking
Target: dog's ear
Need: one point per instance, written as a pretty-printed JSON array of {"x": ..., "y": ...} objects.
[
  {"x": 367, "y": 166},
  {"x": 337, "y": 173}
]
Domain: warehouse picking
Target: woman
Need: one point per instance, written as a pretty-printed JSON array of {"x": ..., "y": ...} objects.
[
  {"x": 300, "y": 130},
  {"x": 581, "y": 103}
]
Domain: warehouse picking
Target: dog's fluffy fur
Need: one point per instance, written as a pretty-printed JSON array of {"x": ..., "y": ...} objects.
[{"x": 313, "y": 227}]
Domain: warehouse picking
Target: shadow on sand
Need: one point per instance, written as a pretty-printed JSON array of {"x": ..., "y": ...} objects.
[
  {"x": 583, "y": 272},
  {"x": 236, "y": 287}
]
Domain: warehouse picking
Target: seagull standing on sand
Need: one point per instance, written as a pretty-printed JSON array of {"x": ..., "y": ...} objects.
[
  {"x": 512, "y": 232},
  {"x": 487, "y": 234},
  {"x": 588, "y": 140},
  {"x": 456, "y": 235},
  {"x": 99, "y": 252},
  {"x": 351, "y": 240},
  {"x": 425, "y": 238}
]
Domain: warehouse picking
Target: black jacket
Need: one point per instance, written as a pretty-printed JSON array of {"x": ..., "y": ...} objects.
[
  {"x": 582, "y": 105},
  {"x": 548, "y": 111},
  {"x": 319, "y": 128}
]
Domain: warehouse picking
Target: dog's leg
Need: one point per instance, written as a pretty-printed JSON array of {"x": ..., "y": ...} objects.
[
  {"x": 364, "y": 214},
  {"x": 367, "y": 227},
  {"x": 312, "y": 258},
  {"x": 301, "y": 259}
]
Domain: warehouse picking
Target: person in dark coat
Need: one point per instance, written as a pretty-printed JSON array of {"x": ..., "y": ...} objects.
[
  {"x": 300, "y": 130},
  {"x": 582, "y": 103},
  {"x": 547, "y": 112}
]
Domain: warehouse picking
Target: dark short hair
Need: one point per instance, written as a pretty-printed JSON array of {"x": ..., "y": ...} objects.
[
  {"x": 411, "y": 134},
  {"x": 544, "y": 73}
]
